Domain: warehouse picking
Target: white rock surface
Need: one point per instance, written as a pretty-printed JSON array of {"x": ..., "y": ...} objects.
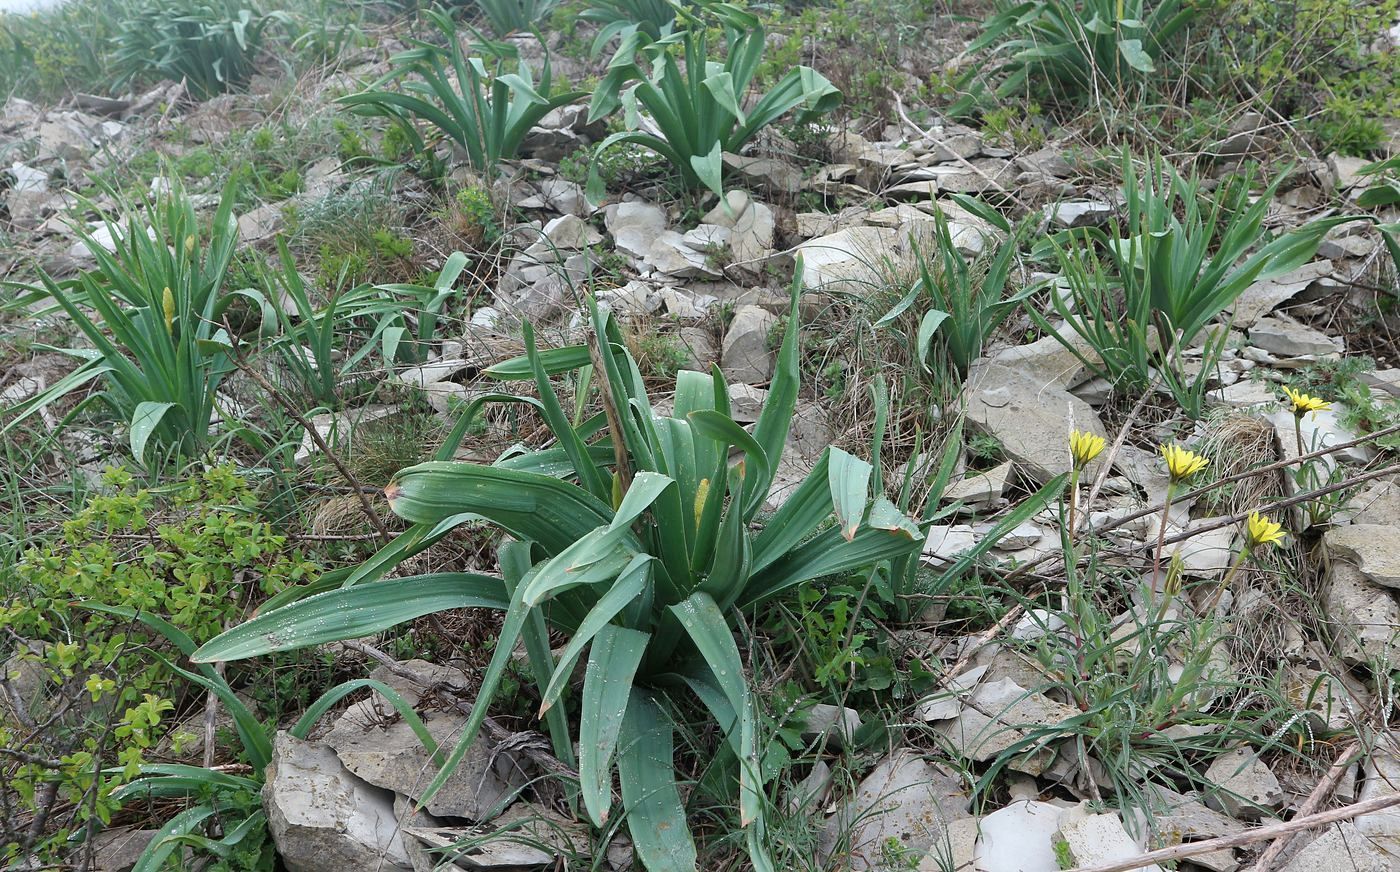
[
  {"x": 322, "y": 817},
  {"x": 1245, "y": 788}
]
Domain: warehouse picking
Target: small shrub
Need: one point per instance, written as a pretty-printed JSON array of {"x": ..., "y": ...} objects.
[{"x": 198, "y": 558}]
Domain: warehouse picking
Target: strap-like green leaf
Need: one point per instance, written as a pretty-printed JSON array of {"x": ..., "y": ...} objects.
[
  {"x": 607, "y": 685},
  {"x": 353, "y": 612},
  {"x": 849, "y": 480},
  {"x": 646, "y": 770}
]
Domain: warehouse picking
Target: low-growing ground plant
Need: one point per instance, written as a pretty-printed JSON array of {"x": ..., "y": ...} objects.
[
  {"x": 1149, "y": 287},
  {"x": 211, "y": 45},
  {"x": 1078, "y": 49},
  {"x": 642, "y": 551},
  {"x": 705, "y": 112},
  {"x": 152, "y": 313},
  {"x": 486, "y": 114}
]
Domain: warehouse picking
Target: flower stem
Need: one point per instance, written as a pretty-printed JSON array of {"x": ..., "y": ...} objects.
[
  {"x": 1073, "y": 499},
  {"x": 1229, "y": 577},
  {"x": 1161, "y": 535}
]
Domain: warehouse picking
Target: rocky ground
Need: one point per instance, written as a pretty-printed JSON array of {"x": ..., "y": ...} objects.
[{"x": 1071, "y": 719}]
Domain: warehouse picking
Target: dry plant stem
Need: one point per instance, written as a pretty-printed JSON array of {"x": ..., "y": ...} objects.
[
  {"x": 1224, "y": 584},
  {"x": 1248, "y": 837},
  {"x": 497, "y": 733},
  {"x": 1271, "y": 507},
  {"x": 1323, "y": 789},
  {"x": 340, "y": 467},
  {"x": 1161, "y": 536},
  {"x": 623, "y": 471}
]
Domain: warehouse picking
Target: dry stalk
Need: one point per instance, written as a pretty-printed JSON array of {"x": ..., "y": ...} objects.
[{"x": 1248, "y": 837}]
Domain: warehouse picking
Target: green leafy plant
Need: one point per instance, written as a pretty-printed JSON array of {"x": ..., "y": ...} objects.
[
  {"x": 191, "y": 558},
  {"x": 213, "y": 45},
  {"x": 638, "y": 546},
  {"x": 152, "y": 311},
  {"x": 486, "y": 114},
  {"x": 653, "y": 18},
  {"x": 699, "y": 114},
  {"x": 1145, "y": 290},
  {"x": 1074, "y": 46},
  {"x": 307, "y": 342},
  {"x": 514, "y": 16},
  {"x": 963, "y": 304}
]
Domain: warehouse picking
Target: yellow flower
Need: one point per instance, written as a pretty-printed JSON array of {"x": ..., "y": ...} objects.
[
  {"x": 1259, "y": 530},
  {"x": 1084, "y": 447},
  {"x": 1181, "y": 463},
  {"x": 1304, "y": 403},
  {"x": 168, "y": 303}
]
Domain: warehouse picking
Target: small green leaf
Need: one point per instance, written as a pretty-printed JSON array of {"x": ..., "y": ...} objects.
[{"x": 144, "y": 422}]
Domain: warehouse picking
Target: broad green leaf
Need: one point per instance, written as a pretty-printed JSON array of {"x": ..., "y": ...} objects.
[
  {"x": 554, "y": 360},
  {"x": 1137, "y": 58},
  {"x": 708, "y": 629},
  {"x": 353, "y": 612},
  {"x": 849, "y": 479},
  {"x": 144, "y": 422},
  {"x": 646, "y": 770},
  {"x": 164, "y": 842},
  {"x": 536, "y": 507},
  {"x": 628, "y": 586},
  {"x": 607, "y": 684}
]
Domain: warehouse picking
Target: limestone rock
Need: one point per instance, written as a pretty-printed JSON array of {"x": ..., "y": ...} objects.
[
  {"x": 321, "y": 817},
  {"x": 904, "y": 798},
  {"x": 847, "y": 260},
  {"x": 989, "y": 721},
  {"x": 747, "y": 355},
  {"x": 1262, "y": 297},
  {"x": 1362, "y": 617},
  {"x": 1245, "y": 788},
  {"x": 634, "y": 226},
  {"x": 1019, "y": 837},
  {"x": 1342, "y": 847},
  {"x": 1031, "y": 420},
  {"x": 979, "y": 489},
  {"x": 1098, "y": 839},
  {"x": 1374, "y": 548},
  {"x": 1288, "y": 338}
]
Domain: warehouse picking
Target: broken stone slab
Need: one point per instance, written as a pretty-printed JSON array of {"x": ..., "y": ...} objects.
[
  {"x": 1376, "y": 503},
  {"x": 1207, "y": 553},
  {"x": 1262, "y": 297},
  {"x": 991, "y": 719},
  {"x": 751, "y": 228},
  {"x": 670, "y": 254},
  {"x": 1288, "y": 338},
  {"x": 1080, "y": 213},
  {"x": 838, "y": 725},
  {"x": 1098, "y": 839},
  {"x": 526, "y": 836},
  {"x": 1177, "y": 817},
  {"x": 1020, "y": 837},
  {"x": 379, "y": 747},
  {"x": 322, "y": 817},
  {"x": 946, "y": 542},
  {"x": 979, "y": 489},
  {"x": 746, "y": 354},
  {"x": 634, "y": 226},
  {"x": 1049, "y": 362},
  {"x": 1342, "y": 846},
  {"x": 1331, "y": 702},
  {"x": 1380, "y": 777},
  {"x": 118, "y": 849},
  {"x": 906, "y": 801},
  {"x": 1030, "y": 420},
  {"x": 847, "y": 260},
  {"x": 777, "y": 176},
  {"x": 746, "y": 402},
  {"x": 1244, "y": 787},
  {"x": 1373, "y": 548},
  {"x": 1361, "y": 616},
  {"x": 957, "y": 849}
]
